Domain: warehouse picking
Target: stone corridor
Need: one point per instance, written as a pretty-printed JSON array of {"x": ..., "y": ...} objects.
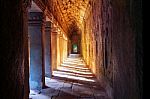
[
  {"x": 75, "y": 69},
  {"x": 72, "y": 80},
  {"x": 71, "y": 49}
]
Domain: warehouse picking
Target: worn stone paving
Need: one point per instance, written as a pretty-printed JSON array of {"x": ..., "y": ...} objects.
[{"x": 72, "y": 80}]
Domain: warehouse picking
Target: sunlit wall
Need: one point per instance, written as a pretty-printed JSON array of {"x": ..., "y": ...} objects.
[
  {"x": 91, "y": 40},
  {"x": 88, "y": 45},
  {"x": 62, "y": 46}
]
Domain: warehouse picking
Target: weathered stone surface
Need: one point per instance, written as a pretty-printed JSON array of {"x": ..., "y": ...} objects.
[
  {"x": 13, "y": 51},
  {"x": 111, "y": 43},
  {"x": 116, "y": 29},
  {"x": 47, "y": 38},
  {"x": 77, "y": 91},
  {"x": 35, "y": 34}
]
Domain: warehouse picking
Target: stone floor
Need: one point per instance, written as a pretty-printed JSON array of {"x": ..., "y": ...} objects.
[{"x": 72, "y": 80}]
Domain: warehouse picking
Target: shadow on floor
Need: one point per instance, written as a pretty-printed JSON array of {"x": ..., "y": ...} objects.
[{"x": 63, "y": 89}]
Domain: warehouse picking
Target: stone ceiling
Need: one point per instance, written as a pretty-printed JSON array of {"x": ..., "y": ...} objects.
[{"x": 69, "y": 13}]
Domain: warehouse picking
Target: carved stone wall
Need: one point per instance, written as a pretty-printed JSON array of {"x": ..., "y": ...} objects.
[
  {"x": 117, "y": 29},
  {"x": 13, "y": 60}
]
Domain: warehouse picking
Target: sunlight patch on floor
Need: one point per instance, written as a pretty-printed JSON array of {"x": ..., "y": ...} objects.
[{"x": 74, "y": 68}]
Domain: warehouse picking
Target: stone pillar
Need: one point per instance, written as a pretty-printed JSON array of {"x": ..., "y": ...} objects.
[
  {"x": 43, "y": 49},
  {"x": 61, "y": 48},
  {"x": 58, "y": 49},
  {"x": 13, "y": 50},
  {"x": 35, "y": 34},
  {"x": 65, "y": 47},
  {"x": 48, "y": 69},
  {"x": 54, "y": 48},
  {"x": 26, "y": 50},
  {"x": 69, "y": 47},
  {"x": 66, "y": 50}
]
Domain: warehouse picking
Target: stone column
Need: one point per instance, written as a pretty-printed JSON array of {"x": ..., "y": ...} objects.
[
  {"x": 26, "y": 50},
  {"x": 43, "y": 49},
  {"x": 61, "y": 48},
  {"x": 58, "y": 49},
  {"x": 69, "y": 47},
  {"x": 48, "y": 69},
  {"x": 14, "y": 66},
  {"x": 35, "y": 34},
  {"x": 54, "y": 48},
  {"x": 64, "y": 49}
]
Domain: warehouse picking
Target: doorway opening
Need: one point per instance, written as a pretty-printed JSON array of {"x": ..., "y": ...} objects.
[{"x": 75, "y": 48}]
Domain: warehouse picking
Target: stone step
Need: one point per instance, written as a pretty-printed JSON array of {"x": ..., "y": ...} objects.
[
  {"x": 74, "y": 74},
  {"x": 74, "y": 68},
  {"x": 74, "y": 55},
  {"x": 72, "y": 80}
]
